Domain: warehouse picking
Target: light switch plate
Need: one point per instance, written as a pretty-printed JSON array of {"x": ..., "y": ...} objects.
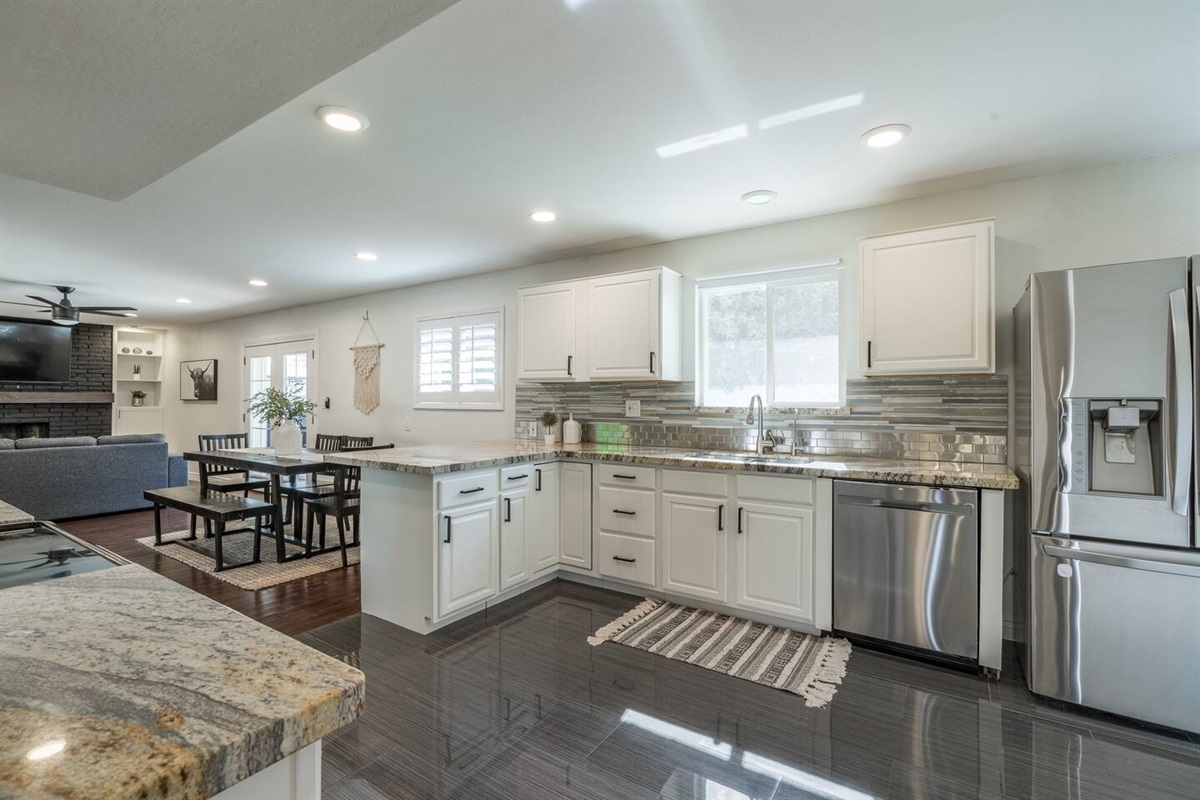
[
  {"x": 531, "y": 430},
  {"x": 407, "y": 424},
  {"x": 633, "y": 408}
]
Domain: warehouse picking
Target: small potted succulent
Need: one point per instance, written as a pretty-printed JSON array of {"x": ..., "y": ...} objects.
[
  {"x": 549, "y": 420},
  {"x": 139, "y": 398},
  {"x": 282, "y": 411}
]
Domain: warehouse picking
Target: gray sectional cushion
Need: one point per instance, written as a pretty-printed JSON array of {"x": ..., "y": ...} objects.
[
  {"x": 132, "y": 438},
  {"x": 39, "y": 443},
  {"x": 7, "y": 444}
]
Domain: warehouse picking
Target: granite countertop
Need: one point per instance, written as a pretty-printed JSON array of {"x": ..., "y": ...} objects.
[
  {"x": 156, "y": 691},
  {"x": 11, "y": 515},
  {"x": 438, "y": 459}
]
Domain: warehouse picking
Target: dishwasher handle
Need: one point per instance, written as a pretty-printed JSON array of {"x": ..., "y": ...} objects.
[{"x": 906, "y": 505}]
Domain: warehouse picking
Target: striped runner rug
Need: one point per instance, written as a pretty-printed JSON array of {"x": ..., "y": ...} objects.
[{"x": 810, "y": 666}]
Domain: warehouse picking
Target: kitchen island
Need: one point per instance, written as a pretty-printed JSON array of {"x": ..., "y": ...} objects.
[
  {"x": 448, "y": 530},
  {"x": 124, "y": 684}
]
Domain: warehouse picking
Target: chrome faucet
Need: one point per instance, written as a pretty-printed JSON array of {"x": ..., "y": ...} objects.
[{"x": 763, "y": 437}]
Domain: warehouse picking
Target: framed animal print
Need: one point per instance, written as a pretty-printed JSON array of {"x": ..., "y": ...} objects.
[{"x": 198, "y": 379}]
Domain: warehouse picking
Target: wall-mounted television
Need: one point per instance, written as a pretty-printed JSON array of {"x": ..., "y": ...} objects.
[{"x": 34, "y": 352}]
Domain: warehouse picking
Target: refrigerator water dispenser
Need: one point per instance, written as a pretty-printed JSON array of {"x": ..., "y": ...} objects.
[{"x": 1114, "y": 446}]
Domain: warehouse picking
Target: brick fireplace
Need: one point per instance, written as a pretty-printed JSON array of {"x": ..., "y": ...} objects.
[{"x": 81, "y": 407}]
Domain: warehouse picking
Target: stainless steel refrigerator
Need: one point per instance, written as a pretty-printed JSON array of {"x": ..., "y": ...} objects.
[{"x": 1107, "y": 554}]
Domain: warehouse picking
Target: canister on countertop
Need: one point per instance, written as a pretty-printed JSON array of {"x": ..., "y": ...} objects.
[{"x": 572, "y": 431}]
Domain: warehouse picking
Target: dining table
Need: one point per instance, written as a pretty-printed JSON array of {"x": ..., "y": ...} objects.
[{"x": 277, "y": 467}]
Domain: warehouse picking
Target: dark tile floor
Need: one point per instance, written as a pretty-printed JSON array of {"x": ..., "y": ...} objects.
[{"x": 515, "y": 704}]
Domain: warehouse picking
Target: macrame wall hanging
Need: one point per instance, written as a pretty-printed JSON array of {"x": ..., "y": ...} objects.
[{"x": 366, "y": 368}]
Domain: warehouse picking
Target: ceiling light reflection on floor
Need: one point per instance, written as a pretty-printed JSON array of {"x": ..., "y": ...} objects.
[
  {"x": 815, "y": 110},
  {"x": 677, "y": 733},
  {"x": 702, "y": 141}
]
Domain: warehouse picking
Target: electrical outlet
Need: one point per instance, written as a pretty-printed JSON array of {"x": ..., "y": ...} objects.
[
  {"x": 633, "y": 408},
  {"x": 407, "y": 424},
  {"x": 531, "y": 430}
]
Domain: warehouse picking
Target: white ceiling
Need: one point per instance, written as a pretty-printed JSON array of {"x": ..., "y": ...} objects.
[{"x": 492, "y": 109}]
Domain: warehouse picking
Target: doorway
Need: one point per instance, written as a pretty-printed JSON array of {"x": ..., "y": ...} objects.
[{"x": 289, "y": 366}]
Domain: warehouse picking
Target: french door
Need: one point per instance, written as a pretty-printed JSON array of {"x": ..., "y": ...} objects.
[{"x": 287, "y": 366}]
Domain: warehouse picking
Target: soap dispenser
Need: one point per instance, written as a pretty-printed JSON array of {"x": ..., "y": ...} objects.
[{"x": 572, "y": 431}]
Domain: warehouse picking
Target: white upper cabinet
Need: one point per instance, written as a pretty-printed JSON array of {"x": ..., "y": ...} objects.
[
  {"x": 616, "y": 327},
  {"x": 547, "y": 340},
  {"x": 927, "y": 304}
]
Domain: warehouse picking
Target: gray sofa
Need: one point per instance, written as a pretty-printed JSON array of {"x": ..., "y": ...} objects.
[{"x": 79, "y": 476}]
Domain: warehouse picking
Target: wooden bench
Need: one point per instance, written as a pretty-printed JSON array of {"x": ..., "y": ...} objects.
[{"x": 216, "y": 509}]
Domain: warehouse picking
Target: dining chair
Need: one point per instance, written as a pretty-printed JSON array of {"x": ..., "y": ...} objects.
[
  {"x": 343, "y": 504},
  {"x": 357, "y": 441},
  {"x": 229, "y": 479},
  {"x": 328, "y": 443}
]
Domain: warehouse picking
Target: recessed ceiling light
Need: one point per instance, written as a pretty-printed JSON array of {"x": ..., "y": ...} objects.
[
  {"x": 759, "y": 197},
  {"x": 182, "y": 300},
  {"x": 129, "y": 314},
  {"x": 258, "y": 282},
  {"x": 363, "y": 255},
  {"x": 885, "y": 135},
  {"x": 343, "y": 119},
  {"x": 543, "y": 216}
]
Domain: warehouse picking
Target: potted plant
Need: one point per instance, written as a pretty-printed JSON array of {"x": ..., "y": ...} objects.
[
  {"x": 139, "y": 398},
  {"x": 549, "y": 419},
  {"x": 282, "y": 411}
]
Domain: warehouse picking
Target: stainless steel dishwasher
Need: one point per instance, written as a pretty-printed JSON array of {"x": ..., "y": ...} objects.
[{"x": 906, "y": 566}]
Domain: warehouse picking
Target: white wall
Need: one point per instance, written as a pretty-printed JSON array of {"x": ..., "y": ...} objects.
[{"x": 1123, "y": 212}]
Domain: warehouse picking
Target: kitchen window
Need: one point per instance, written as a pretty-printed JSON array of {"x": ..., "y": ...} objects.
[
  {"x": 459, "y": 361},
  {"x": 775, "y": 334}
]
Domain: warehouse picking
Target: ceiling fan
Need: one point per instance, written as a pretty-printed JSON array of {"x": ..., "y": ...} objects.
[{"x": 64, "y": 312}]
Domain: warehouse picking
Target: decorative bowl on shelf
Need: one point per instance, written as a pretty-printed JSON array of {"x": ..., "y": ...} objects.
[
  {"x": 124, "y": 349},
  {"x": 137, "y": 351},
  {"x": 149, "y": 352}
]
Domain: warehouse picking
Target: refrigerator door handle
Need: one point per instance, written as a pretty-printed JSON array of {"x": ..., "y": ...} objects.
[
  {"x": 1122, "y": 561},
  {"x": 1182, "y": 345}
]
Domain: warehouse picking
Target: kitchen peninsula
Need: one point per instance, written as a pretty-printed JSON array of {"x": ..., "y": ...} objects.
[
  {"x": 124, "y": 684},
  {"x": 449, "y": 530}
]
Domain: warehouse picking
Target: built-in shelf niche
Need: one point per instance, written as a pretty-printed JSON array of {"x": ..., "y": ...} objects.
[{"x": 138, "y": 363}]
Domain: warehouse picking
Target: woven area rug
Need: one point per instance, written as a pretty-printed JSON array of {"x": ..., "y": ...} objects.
[
  {"x": 810, "y": 666},
  {"x": 239, "y": 547}
]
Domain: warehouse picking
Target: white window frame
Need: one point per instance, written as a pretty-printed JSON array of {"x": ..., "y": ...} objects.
[
  {"x": 454, "y": 400},
  {"x": 772, "y": 279}
]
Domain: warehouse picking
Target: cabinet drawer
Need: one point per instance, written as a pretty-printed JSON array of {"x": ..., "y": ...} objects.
[
  {"x": 625, "y": 475},
  {"x": 470, "y": 488},
  {"x": 625, "y": 558},
  {"x": 624, "y": 510},
  {"x": 519, "y": 476},
  {"x": 709, "y": 484},
  {"x": 793, "y": 491}
]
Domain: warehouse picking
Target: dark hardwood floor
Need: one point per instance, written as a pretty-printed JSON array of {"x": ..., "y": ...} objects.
[{"x": 291, "y": 608}]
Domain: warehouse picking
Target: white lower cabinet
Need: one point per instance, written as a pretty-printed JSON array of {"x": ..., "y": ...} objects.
[
  {"x": 775, "y": 559},
  {"x": 695, "y": 546},
  {"x": 468, "y": 572},
  {"x": 625, "y": 558},
  {"x": 575, "y": 526},
  {"x": 514, "y": 538},
  {"x": 545, "y": 512}
]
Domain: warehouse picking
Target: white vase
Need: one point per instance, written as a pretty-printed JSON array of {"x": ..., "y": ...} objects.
[{"x": 286, "y": 438}]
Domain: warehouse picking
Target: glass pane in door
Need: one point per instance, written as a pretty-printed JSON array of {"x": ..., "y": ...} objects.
[
  {"x": 259, "y": 373},
  {"x": 295, "y": 383}
]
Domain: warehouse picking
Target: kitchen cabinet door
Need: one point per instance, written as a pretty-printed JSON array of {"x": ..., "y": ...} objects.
[
  {"x": 138, "y": 420},
  {"x": 575, "y": 526},
  {"x": 927, "y": 304},
  {"x": 544, "y": 513},
  {"x": 694, "y": 546},
  {"x": 775, "y": 559},
  {"x": 625, "y": 341},
  {"x": 546, "y": 319},
  {"x": 468, "y": 570},
  {"x": 514, "y": 538}
]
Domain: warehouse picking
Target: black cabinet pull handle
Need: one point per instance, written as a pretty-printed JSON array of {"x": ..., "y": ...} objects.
[
  {"x": 569, "y": 359},
  {"x": 868, "y": 353},
  {"x": 651, "y": 362},
  {"x": 471, "y": 491},
  {"x": 625, "y": 477},
  {"x": 626, "y": 560},
  {"x": 741, "y": 522},
  {"x": 518, "y": 477},
  {"x": 508, "y": 509},
  {"x": 721, "y": 517},
  {"x": 538, "y": 473},
  {"x": 447, "y": 539},
  {"x": 622, "y": 511}
]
